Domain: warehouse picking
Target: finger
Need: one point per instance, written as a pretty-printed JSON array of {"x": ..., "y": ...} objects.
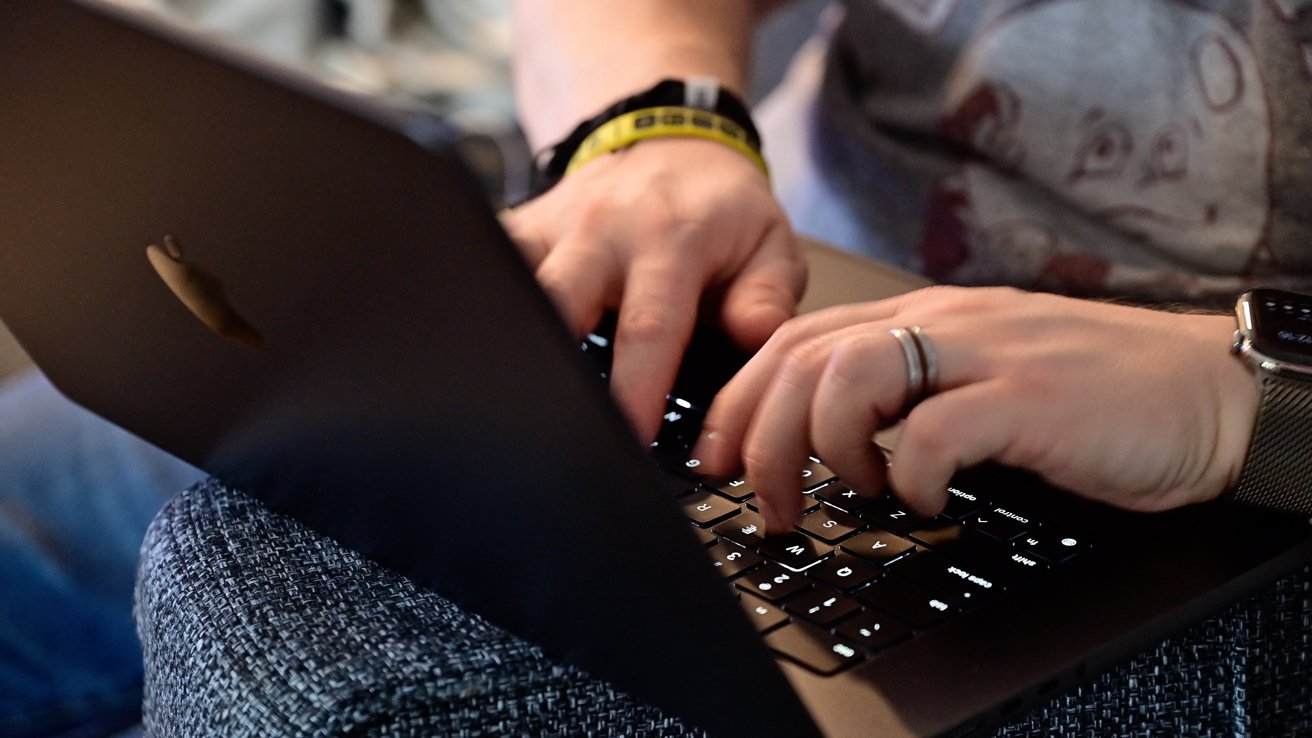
[
  {"x": 777, "y": 442},
  {"x": 531, "y": 242},
  {"x": 765, "y": 292},
  {"x": 582, "y": 278},
  {"x": 726, "y": 422},
  {"x": 936, "y": 444},
  {"x": 656, "y": 320},
  {"x": 863, "y": 388}
]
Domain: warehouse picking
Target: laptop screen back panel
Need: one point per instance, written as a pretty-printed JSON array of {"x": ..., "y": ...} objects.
[{"x": 397, "y": 381}]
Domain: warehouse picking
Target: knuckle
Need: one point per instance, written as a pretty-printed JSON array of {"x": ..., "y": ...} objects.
[
  {"x": 647, "y": 322},
  {"x": 801, "y": 363}
]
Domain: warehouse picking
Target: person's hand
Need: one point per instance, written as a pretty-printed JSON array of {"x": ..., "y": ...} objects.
[
  {"x": 1138, "y": 408},
  {"x": 649, "y": 231}
]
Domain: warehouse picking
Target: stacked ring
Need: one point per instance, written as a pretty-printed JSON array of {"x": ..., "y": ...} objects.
[{"x": 922, "y": 364}]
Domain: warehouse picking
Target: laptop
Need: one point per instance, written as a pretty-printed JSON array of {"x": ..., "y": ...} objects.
[{"x": 306, "y": 295}]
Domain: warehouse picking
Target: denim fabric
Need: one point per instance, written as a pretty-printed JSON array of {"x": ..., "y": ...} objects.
[{"x": 76, "y": 495}]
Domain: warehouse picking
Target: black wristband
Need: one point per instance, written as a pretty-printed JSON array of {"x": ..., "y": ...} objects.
[{"x": 668, "y": 92}]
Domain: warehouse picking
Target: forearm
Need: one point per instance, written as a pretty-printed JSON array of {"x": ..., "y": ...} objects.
[{"x": 575, "y": 57}]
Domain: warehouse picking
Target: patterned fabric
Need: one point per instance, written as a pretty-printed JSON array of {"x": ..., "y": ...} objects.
[
  {"x": 1151, "y": 148},
  {"x": 253, "y": 625}
]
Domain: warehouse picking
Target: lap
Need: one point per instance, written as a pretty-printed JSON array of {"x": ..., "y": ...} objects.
[{"x": 76, "y": 495}]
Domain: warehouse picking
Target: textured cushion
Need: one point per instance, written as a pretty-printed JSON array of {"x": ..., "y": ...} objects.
[{"x": 254, "y": 625}]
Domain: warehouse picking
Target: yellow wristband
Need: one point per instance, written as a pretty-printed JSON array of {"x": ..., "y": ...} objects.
[{"x": 665, "y": 122}]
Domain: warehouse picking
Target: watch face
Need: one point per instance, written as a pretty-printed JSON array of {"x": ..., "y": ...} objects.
[{"x": 1281, "y": 325}]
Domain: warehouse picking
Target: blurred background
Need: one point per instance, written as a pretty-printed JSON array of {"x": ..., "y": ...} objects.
[{"x": 449, "y": 57}]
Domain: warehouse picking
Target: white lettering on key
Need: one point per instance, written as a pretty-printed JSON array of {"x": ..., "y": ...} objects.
[
  {"x": 1023, "y": 560},
  {"x": 1009, "y": 514},
  {"x": 704, "y": 507},
  {"x": 963, "y": 495},
  {"x": 796, "y": 550},
  {"x": 846, "y": 652},
  {"x": 878, "y": 545},
  {"x": 939, "y": 605},
  {"x": 846, "y": 571}
]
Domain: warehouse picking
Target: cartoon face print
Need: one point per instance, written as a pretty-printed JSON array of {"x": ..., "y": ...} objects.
[{"x": 1147, "y": 115}]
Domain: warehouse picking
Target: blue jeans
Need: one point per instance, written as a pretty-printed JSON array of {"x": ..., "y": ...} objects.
[{"x": 76, "y": 495}]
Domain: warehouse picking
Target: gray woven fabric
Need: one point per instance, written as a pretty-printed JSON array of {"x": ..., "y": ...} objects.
[{"x": 254, "y": 625}]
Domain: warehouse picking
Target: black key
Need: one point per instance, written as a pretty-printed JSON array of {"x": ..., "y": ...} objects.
[
  {"x": 677, "y": 461},
  {"x": 813, "y": 648},
  {"x": 795, "y": 551},
  {"x": 1052, "y": 547},
  {"x": 708, "y": 538},
  {"x": 1017, "y": 568},
  {"x": 963, "y": 587},
  {"x": 888, "y": 513},
  {"x": 962, "y": 504},
  {"x": 763, "y": 615},
  {"x": 845, "y": 572},
  {"x": 878, "y": 547},
  {"x": 815, "y": 474},
  {"x": 908, "y": 602},
  {"x": 842, "y": 497},
  {"x": 808, "y": 504},
  {"x": 746, "y": 530},
  {"x": 738, "y": 490},
  {"x": 732, "y": 561},
  {"x": 705, "y": 508},
  {"x": 939, "y": 532},
  {"x": 874, "y": 630},
  {"x": 773, "y": 582},
  {"x": 1001, "y": 523},
  {"x": 821, "y": 606},
  {"x": 830, "y": 525}
]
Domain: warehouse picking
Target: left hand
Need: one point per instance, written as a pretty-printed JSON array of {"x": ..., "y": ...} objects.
[{"x": 1138, "y": 408}]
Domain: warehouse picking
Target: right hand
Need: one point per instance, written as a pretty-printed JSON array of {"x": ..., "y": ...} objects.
[{"x": 650, "y": 230}]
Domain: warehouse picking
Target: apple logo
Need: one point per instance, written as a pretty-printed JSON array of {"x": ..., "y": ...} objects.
[{"x": 201, "y": 293}]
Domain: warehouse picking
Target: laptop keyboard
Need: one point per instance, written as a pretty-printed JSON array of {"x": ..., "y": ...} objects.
[{"x": 857, "y": 576}]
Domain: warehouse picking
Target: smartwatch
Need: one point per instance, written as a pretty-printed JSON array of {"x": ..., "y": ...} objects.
[{"x": 1274, "y": 335}]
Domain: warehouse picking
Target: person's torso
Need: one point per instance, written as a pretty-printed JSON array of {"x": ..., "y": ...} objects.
[{"x": 1151, "y": 148}]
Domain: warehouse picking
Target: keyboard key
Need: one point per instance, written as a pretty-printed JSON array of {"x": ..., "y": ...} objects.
[
  {"x": 842, "y": 497},
  {"x": 963, "y": 587},
  {"x": 906, "y": 601},
  {"x": 795, "y": 551},
  {"x": 888, "y": 513},
  {"x": 809, "y": 503},
  {"x": 1016, "y": 568},
  {"x": 732, "y": 561},
  {"x": 705, "y": 508},
  {"x": 738, "y": 490},
  {"x": 962, "y": 504},
  {"x": 878, "y": 547},
  {"x": 830, "y": 525},
  {"x": 772, "y": 582},
  {"x": 1051, "y": 547},
  {"x": 874, "y": 630},
  {"x": 822, "y": 607},
  {"x": 941, "y": 532},
  {"x": 708, "y": 538},
  {"x": 1001, "y": 523},
  {"x": 763, "y": 615},
  {"x": 815, "y": 474},
  {"x": 813, "y": 648},
  {"x": 746, "y": 530},
  {"x": 845, "y": 572}
]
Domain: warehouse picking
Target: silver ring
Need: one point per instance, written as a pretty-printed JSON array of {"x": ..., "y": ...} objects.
[
  {"x": 929, "y": 357},
  {"x": 915, "y": 366}
]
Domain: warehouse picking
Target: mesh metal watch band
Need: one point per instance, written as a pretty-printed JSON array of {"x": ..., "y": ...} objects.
[{"x": 1278, "y": 472}]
